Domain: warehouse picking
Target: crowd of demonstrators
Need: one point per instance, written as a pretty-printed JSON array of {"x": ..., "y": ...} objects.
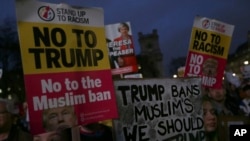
[
  {"x": 238, "y": 95},
  {"x": 232, "y": 98}
]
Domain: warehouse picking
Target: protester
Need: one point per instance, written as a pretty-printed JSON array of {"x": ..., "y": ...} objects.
[
  {"x": 210, "y": 120},
  {"x": 245, "y": 103},
  {"x": 8, "y": 130},
  {"x": 232, "y": 86},
  {"x": 218, "y": 97},
  {"x": 233, "y": 99},
  {"x": 59, "y": 118}
]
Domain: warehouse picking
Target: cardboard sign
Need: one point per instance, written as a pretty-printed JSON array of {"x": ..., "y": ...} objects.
[{"x": 159, "y": 109}]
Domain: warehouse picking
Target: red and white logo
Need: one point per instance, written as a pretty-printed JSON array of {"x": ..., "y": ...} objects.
[
  {"x": 205, "y": 23},
  {"x": 46, "y": 13}
]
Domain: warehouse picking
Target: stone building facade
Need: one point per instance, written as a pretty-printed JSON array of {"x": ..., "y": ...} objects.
[
  {"x": 150, "y": 58},
  {"x": 236, "y": 60}
]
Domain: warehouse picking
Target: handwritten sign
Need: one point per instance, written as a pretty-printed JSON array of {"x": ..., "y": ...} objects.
[{"x": 159, "y": 109}]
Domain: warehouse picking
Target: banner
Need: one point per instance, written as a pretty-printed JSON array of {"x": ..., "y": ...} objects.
[
  {"x": 65, "y": 64},
  {"x": 208, "y": 51},
  {"x": 121, "y": 48},
  {"x": 159, "y": 109}
]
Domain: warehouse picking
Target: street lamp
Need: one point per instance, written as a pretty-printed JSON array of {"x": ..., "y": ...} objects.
[
  {"x": 246, "y": 62},
  {"x": 174, "y": 76}
]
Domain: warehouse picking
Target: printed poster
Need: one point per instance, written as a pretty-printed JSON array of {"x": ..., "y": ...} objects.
[
  {"x": 121, "y": 48},
  {"x": 65, "y": 67},
  {"x": 208, "y": 50},
  {"x": 159, "y": 109}
]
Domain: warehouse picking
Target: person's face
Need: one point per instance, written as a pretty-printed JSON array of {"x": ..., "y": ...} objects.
[
  {"x": 50, "y": 136},
  {"x": 60, "y": 118},
  {"x": 123, "y": 31},
  {"x": 217, "y": 94},
  {"x": 209, "y": 117},
  {"x": 5, "y": 117}
]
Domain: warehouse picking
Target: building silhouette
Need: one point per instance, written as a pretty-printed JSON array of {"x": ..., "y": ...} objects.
[
  {"x": 236, "y": 60},
  {"x": 150, "y": 57}
]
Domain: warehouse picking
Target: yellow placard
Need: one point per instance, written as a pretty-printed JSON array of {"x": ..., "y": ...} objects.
[
  {"x": 62, "y": 48},
  {"x": 209, "y": 43}
]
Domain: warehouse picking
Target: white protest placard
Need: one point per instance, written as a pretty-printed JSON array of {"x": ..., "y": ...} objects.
[{"x": 159, "y": 109}]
